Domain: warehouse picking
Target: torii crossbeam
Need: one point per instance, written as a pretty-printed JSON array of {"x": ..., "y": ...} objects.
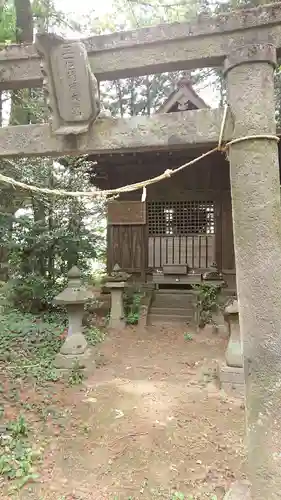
[
  {"x": 168, "y": 47},
  {"x": 246, "y": 44}
]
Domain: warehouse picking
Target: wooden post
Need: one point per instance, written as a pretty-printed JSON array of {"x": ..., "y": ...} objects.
[{"x": 254, "y": 172}]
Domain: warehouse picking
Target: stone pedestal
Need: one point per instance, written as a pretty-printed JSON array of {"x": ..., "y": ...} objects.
[
  {"x": 84, "y": 360},
  {"x": 219, "y": 323},
  {"x": 75, "y": 350},
  {"x": 231, "y": 379},
  {"x": 231, "y": 373},
  {"x": 116, "y": 319},
  {"x": 233, "y": 354}
]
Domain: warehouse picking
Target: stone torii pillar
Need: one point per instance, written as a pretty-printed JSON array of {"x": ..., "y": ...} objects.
[{"x": 254, "y": 172}]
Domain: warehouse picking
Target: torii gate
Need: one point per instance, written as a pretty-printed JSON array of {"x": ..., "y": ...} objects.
[{"x": 246, "y": 43}]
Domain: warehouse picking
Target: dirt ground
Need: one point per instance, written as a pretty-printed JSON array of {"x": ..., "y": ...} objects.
[{"x": 149, "y": 422}]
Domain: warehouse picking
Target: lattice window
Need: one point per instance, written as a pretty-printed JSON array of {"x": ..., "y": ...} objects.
[{"x": 175, "y": 218}]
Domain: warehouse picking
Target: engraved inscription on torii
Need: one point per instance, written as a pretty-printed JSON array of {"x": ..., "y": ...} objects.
[{"x": 70, "y": 85}]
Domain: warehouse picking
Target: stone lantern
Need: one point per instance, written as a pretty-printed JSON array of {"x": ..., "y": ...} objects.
[
  {"x": 231, "y": 374},
  {"x": 116, "y": 283},
  {"x": 75, "y": 348}
]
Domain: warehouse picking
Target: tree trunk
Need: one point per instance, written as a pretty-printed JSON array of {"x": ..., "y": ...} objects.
[
  {"x": 2, "y": 3},
  {"x": 120, "y": 97},
  {"x": 132, "y": 96},
  {"x": 10, "y": 199},
  {"x": 39, "y": 218},
  {"x": 51, "y": 248},
  {"x": 148, "y": 96},
  {"x": 24, "y": 21}
]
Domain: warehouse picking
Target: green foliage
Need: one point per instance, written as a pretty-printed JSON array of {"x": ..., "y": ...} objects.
[
  {"x": 53, "y": 234},
  {"x": 7, "y": 24},
  {"x": 28, "y": 345},
  {"x": 76, "y": 375},
  {"x": 33, "y": 293},
  {"x": 93, "y": 335},
  {"x": 178, "y": 496},
  {"x": 17, "y": 458},
  {"x": 188, "y": 337},
  {"x": 207, "y": 302},
  {"x": 132, "y": 302},
  {"x": 47, "y": 16},
  {"x": 19, "y": 427}
]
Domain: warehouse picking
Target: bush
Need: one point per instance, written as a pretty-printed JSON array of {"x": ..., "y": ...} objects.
[
  {"x": 33, "y": 293},
  {"x": 132, "y": 301},
  {"x": 29, "y": 343},
  {"x": 207, "y": 302},
  {"x": 17, "y": 457}
]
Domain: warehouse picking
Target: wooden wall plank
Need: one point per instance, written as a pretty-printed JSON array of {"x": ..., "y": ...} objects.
[
  {"x": 126, "y": 213},
  {"x": 196, "y": 251},
  {"x": 127, "y": 247},
  {"x": 218, "y": 232}
]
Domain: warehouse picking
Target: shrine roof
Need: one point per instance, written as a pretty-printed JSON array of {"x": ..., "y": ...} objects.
[{"x": 183, "y": 98}]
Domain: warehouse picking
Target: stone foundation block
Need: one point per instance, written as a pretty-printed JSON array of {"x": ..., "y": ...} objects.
[
  {"x": 85, "y": 361},
  {"x": 74, "y": 345},
  {"x": 231, "y": 378}
]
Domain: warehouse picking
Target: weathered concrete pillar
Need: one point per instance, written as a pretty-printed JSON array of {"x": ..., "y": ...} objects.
[
  {"x": 231, "y": 373},
  {"x": 254, "y": 173},
  {"x": 116, "y": 319},
  {"x": 233, "y": 353},
  {"x": 116, "y": 283}
]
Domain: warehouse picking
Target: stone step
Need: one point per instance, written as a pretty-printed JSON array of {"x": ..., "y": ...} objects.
[
  {"x": 167, "y": 299},
  {"x": 174, "y": 291},
  {"x": 167, "y": 303},
  {"x": 172, "y": 311},
  {"x": 172, "y": 306},
  {"x": 190, "y": 296},
  {"x": 159, "y": 318},
  {"x": 186, "y": 296},
  {"x": 182, "y": 296}
]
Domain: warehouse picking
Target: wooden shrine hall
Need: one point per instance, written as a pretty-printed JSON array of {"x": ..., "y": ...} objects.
[{"x": 185, "y": 224}]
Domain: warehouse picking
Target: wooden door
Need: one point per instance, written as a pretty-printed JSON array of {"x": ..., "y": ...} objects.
[
  {"x": 127, "y": 236},
  {"x": 127, "y": 246}
]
